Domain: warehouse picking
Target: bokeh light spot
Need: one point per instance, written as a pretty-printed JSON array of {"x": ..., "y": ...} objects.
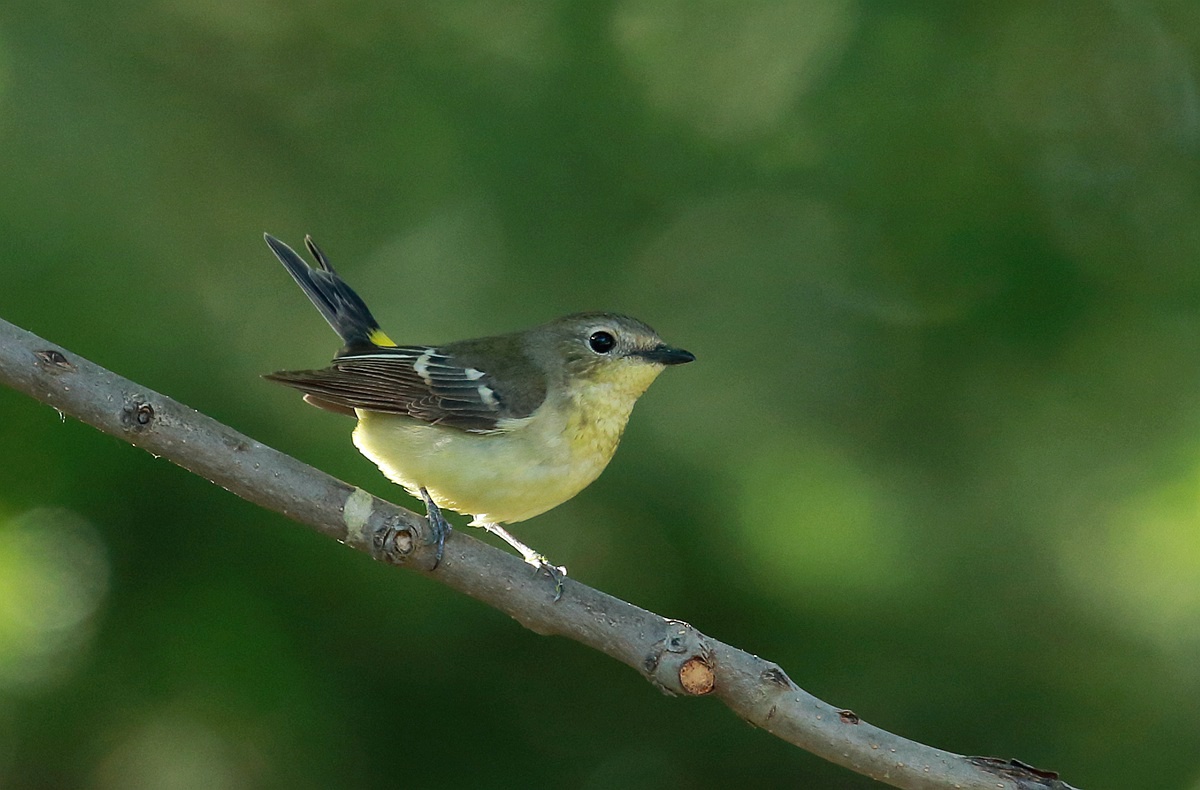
[
  {"x": 504, "y": 32},
  {"x": 1109, "y": 143},
  {"x": 53, "y": 579},
  {"x": 815, "y": 524},
  {"x": 1141, "y": 569},
  {"x": 731, "y": 70},
  {"x": 173, "y": 752}
]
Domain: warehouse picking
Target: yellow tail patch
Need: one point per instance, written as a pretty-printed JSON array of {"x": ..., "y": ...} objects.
[{"x": 378, "y": 337}]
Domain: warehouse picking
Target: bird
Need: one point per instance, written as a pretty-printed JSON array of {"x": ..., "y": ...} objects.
[{"x": 500, "y": 428}]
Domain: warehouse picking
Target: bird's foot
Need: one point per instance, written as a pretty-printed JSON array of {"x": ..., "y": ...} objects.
[
  {"x": 555, "y": 572},
  {"x": 438, "y": 528}
]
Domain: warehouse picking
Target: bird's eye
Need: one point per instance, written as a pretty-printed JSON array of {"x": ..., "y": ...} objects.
[{"x": 601, "y": 342}]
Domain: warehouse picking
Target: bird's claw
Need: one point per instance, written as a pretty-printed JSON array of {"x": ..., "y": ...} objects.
[{"x": 555, "y": 572}]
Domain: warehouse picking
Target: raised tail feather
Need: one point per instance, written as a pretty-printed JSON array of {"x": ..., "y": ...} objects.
[{"x": 342, "y": 307}]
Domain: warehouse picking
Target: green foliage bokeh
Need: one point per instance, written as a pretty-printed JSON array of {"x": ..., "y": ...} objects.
[{"x": 939, "y": 456}]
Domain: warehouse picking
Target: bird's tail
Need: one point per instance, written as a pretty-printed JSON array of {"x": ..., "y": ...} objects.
[{"x": 342, "y": 307}]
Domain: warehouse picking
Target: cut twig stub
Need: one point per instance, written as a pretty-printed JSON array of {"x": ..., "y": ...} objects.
[{"x": 696, "y": 677}]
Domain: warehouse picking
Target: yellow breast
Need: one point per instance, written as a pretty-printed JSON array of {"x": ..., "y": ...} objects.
[{"x": 525, "y": 468}]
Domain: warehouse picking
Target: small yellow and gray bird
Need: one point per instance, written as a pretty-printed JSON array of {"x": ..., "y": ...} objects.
[{"x": 499, "y": 428}]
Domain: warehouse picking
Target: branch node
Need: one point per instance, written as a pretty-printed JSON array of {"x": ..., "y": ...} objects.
[
  {"x": 776, "y": 676},
  {"x": 137, "y": 414},
  {"x": 53, "y": 361},
  {"x": 681, "y": 662},
  {"x": 391, "y": 543},
  {"x": 1025, "y": 775}
]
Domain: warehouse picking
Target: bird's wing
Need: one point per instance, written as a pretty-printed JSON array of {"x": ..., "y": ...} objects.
[{"x": 431, "y": 384}]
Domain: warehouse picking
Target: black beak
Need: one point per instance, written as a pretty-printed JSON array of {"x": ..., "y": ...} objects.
[{"x": 665, "y": 355}]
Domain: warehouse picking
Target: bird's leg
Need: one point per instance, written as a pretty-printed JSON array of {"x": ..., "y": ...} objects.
[
  {"x": 438, "y": 528},
  {"x": 556, "y": 572}
]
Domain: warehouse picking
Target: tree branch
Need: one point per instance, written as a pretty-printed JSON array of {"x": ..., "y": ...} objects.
[{"x": 673, "y": 656}]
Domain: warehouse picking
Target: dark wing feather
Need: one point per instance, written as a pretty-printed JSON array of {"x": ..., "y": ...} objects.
[{"x": 436, "y": 385}]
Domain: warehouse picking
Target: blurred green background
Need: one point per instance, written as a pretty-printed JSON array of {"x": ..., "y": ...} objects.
[{"x": 939, "y": 457}]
